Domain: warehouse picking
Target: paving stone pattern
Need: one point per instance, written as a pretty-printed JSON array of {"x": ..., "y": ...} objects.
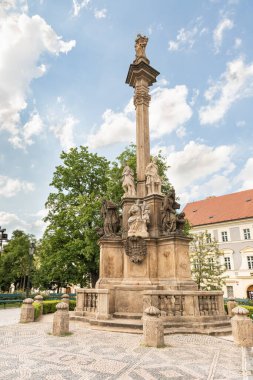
[
  {"x": 28, "y": 351},
  {"x": 9, "y": 316}
]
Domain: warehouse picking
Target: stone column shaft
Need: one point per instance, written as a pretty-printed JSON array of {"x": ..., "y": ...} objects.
[{"x": 141, "y": 102}]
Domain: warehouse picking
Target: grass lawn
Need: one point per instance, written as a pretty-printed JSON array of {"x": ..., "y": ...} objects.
[{"x": 10, "y": 305}]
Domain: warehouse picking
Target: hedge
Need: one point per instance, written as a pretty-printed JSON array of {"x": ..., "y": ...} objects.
[
  {"x": 250, "y": 309},
  {"x": 50, "y": 307},
  {"x": 37, "y": 310}
]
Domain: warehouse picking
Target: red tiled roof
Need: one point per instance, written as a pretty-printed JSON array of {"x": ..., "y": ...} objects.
[{"x": 219, "y": 209}]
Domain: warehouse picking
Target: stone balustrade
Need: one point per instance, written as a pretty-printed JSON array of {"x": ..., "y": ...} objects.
[
  {"x": 93, "y": 302},
  {"x": 179, "y": 303}
]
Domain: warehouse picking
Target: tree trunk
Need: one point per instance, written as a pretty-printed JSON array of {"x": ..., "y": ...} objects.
[{"x": 93, "y": 278}]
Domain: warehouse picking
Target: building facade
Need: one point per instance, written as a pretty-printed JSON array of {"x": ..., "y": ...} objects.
[{"x": 229, "y": 220}]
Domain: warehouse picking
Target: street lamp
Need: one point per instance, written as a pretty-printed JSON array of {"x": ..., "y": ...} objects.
[
  {"x": 3, "y": 237},
  {"x": 31, "y": 253}
]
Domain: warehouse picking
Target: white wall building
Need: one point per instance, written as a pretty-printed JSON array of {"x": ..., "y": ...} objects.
[{"x": 229, "y": 220}]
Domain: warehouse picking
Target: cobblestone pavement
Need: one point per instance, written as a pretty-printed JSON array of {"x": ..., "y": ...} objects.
[
  {"x": 9, "y": 316},
  {"x": 28, "y": 351}
]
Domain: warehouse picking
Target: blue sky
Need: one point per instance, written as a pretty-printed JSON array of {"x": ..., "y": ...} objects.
[{"x": 63, "y": 65}]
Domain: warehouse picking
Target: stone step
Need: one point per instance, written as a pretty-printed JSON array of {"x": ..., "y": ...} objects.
[
  {"x": 128, "y": 315},
  {"x": 120, "y": 323},
  {"x": 205, "y": 325},
  {"x": 222, "y": 327},
  {"x": 214, "y": 331}
]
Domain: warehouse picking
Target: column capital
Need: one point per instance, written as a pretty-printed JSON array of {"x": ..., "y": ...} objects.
[{"x": 141, "y": 70}]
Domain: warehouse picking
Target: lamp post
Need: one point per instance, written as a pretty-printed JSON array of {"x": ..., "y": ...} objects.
[
  {"x": 30, "y": 256},
  {"x": 3, "y": 237}
]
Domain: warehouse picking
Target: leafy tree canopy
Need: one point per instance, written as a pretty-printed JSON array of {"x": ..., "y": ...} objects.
[{"x": 15, "y": 261}]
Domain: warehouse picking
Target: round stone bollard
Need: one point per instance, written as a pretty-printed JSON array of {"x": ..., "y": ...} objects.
[
  {"x": 61, "y": 319},
  {"x": 27, "y": 311},
  {"x": 242, "y": 327},
  {"x": 65, "y": 298},
  {"x": 39, "y": 299},
  {"x": 231, "y": 304},
  {"x": 153, "y": 331}
]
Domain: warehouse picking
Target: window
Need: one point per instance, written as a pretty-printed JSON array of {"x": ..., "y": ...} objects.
[
  {"x": 227, "y": 263},
  {"x": 246, "y": 233},
  {"x": 250, "y": 262},
  {"x": 224, "y": 236},
  {"x": 211, "y": 262},
  {"x": 196, "y": 265},
  {"x": 208, "y": 238},
  {"x": 230, "y": 291}
]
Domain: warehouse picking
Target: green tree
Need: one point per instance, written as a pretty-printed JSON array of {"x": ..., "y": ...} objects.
[
  {"x": 15, "y": 265},
  {"x": 69, "y": 251},
  {"x": 207, "y": 271}
]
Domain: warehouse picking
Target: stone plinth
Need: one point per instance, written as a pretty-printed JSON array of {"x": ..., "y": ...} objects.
[
  {"x": 242, "y": 328},
  {"x": 153, "y": 331},
  {"x": 61, "y": 319},
  {"x": 27, "y": 311},
  {"x": 111, "y": 262}
]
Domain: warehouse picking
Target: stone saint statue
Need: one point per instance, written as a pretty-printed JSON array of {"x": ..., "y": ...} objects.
[
  {"x": 153, "y": 180},
  {"x": 140, "y": 46},
  {"x": 181, "y": 222},
  {"x": 169, "y": 215},
  {"x": 139, "y": 218},
  {"x": 109, "y": 212},
  {"x": 128, "y": 182}
]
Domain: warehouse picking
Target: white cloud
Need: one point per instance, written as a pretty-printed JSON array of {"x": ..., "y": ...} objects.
[
  {"x": 217, "y": 185},
  {"x": 235, "y": 84},
  {"x": 245, "y": 177},
  {"x": 116, "y": 128},
  {"x": 39, "y": 224},
  {"x": 186, "y": 38},
  {"x": 64, "y": 131},
  {"x": 78, "y": 5},
  {"x": 9, "y": 187},
  {"x": 100, "y": 13},
  {"x": 8, "y": 219},
  {"x": 7, "y": 4},
  {"x": 32, "y": 128},
  {"x": 169, "y": 111},
  {"x": 197, "y": 162},
  {"x": 195, "y": 95},
  {"x": 218, "y": 33},
  {"x": 23, "y": 40},
  {"x": 181, "y": 132}
]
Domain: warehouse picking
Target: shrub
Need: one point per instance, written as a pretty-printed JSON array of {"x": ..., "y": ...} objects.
[
  {"x": 50, "y": 306},
  {"x": 250, "y": 309},
  {"x": 37, "y": 310}
]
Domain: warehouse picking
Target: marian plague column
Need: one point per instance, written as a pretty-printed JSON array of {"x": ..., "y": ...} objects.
[{"x": 144, "y": 253}]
